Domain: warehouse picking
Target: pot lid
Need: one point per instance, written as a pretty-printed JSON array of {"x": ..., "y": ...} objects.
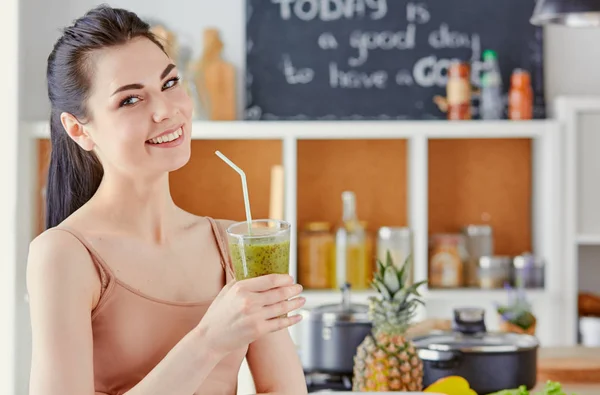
[
  {"x": 488, "y": 342},
  {"x": 340, "y": 312}
]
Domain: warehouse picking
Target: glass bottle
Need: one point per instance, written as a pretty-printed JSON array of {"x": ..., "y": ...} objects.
[
  {"x": 458, "y": 91},
  {"x": 351, "y": 247},
  {"x": 492, "y": 105},
  {"x": 520, "y": 97}
]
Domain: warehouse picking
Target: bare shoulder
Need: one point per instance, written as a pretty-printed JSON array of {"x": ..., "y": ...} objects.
[{"x": 57, "y": 260}]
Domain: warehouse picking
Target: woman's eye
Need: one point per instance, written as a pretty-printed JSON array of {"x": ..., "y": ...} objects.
[
  {"x": 171, "y": 83},
  {"x": 129, "y": 101}
]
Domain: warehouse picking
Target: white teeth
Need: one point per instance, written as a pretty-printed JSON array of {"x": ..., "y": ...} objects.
[{"x": 166, "y": 138}]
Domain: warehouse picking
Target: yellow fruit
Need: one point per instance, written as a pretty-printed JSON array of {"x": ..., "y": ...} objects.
[
  {"x": 386, "y": 360},
  {"x": 451, "y": 385}
]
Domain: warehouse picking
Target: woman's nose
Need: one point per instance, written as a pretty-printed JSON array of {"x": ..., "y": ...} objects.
[{"x": 162, "y": 109}]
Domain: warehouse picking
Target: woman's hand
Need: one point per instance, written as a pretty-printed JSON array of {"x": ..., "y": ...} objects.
[{"x": 246, "y": 310}]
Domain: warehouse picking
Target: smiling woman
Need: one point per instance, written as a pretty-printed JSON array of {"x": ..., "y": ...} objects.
[{"x": 130, "y": 294}]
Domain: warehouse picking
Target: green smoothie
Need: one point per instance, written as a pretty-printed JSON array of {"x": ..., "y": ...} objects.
[{"x": 253, "y": 258}]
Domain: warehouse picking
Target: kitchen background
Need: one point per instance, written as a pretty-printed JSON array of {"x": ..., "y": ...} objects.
[{"x": 448, "y": 190}]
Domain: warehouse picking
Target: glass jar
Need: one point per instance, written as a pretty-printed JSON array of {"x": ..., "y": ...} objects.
[
  {"x": 315, "y": 249},
  {"x": 447, "y": 256},
  {"x": 494, "y": 271}
]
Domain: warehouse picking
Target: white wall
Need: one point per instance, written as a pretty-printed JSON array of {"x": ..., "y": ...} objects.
[{"x": 8, "y": 180}]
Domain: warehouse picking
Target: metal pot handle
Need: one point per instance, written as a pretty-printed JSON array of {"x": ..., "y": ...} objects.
[{"x": 438, "y": 356}]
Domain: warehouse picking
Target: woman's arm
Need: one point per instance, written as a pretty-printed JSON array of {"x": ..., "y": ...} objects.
[
  {"x": 275, "y": 365},
  {"x": 63, "y": 288}
]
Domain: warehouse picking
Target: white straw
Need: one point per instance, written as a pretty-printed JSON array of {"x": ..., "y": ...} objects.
[{"x": 244, "y": 187}]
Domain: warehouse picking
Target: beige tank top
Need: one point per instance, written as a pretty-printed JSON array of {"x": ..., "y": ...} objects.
[{"x": 133, "y": 332}]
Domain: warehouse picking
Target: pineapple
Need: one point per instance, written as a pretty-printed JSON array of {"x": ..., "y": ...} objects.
[{"x": 386, "y": 360}]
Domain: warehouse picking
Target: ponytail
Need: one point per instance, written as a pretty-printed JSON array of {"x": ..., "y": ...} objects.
[{"x": 73, "y": 175}]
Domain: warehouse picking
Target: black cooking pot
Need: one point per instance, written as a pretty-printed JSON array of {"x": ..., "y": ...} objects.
[
  {"x": 490, "y": 362},
  {"x": 330, "y": 335}
]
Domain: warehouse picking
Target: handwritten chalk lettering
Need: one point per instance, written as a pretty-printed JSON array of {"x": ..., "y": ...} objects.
[
  {"x": 368, "y": 41},
  {"x": 331, "y": 10},
  {"x": 327, "y": 41},
  {"x": 417, "y": 13},
  {"x": 404, "y": 78},
  {"x": 445, "y": 38},
  {"x": 431, "y": 71},
  {"x": 354, "y": 79},
  {"x": 296, "y": 76}
]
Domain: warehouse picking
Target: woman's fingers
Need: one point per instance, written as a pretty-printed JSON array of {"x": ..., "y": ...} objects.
[
  {"x": 282, "y": 308},
  {"x": 277, "y": 295}
]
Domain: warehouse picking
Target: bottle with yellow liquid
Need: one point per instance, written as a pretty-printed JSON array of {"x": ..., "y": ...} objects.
[{"x": 351, "y": 260}]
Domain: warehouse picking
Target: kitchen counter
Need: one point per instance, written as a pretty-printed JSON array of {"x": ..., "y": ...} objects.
[{"x": 572, "y": 352}]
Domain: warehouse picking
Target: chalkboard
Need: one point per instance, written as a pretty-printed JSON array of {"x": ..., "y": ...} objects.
[{"x": 379, "y": 59}]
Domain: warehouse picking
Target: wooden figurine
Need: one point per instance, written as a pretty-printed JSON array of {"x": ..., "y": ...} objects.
[
  {"x": 168, "y": 40},
  {"x": 215, "y": 80}
]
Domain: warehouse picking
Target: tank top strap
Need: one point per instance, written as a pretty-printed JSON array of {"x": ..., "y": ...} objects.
[
  {"x": 222, "y": 245},
  {"x": 104, "y": 271}
]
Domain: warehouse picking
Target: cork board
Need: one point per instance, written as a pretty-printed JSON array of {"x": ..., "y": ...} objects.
[
  {"x": 376, "y": 170},
  {"x": 206, "y": 185},
  {"x": 482, "y": 181}
]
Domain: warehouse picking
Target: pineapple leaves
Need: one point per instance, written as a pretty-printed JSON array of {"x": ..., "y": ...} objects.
[
  {"x": 391, "y": 280},
  {"x": 380, "y": 286}
]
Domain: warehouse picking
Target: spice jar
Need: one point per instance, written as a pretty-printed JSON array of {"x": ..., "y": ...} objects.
[
  {"x": 494, "y": 271},
  {"x": 479, "y": 242},
  {"x": 315, "y": 264},
  {"x": 447, "y": 256},
  {"x": 528, "y": 271},
  {"x": 520, "y": 96}
]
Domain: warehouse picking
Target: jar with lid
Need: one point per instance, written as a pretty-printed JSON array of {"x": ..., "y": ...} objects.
[
  {"x": 315, "y": 253},
  {"x": 398, "y": 242},
  {"x": 480, "y": 242},
  {"x": 494, "y": 271},
  {"x": 447, "y": 256},
  {"x": 528, "y": 271}
]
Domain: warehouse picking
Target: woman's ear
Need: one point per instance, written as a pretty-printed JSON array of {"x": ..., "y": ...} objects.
[{"x": 77, "y": 131}]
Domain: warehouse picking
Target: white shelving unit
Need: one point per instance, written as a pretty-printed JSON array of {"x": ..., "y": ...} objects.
[
  {"x": 581, "y": 119},
  {"x": 546, "y": 187}
]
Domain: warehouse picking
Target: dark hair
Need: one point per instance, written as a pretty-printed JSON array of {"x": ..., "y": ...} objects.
[{"x": 74, "y": 174}]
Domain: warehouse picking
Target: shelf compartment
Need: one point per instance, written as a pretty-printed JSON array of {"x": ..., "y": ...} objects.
[
  {"x": 474, "y": 181},
  {"x": 376, "y": 170}
]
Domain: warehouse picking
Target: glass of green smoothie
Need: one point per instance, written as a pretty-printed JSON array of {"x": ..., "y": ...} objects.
[{"x": 259, "y": 249}]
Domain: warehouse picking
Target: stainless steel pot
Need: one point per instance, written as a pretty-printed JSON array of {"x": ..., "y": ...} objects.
[
  {"x": 490, "y": 362},
  {"x": 330, "y": 334}
]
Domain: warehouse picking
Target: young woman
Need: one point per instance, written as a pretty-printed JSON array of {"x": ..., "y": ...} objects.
[{"x": 129, "y": 293}]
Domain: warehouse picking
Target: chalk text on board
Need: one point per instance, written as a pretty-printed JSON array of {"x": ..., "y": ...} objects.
[
  {"x": 295, "y": 76},
  {"x": 417, "y": 13},
  {"x": 368, "y": 41},
  {"x": 356, "y": 79},
  {"x": 446, "y": 38},
  {"x": 331, "y": 10}
]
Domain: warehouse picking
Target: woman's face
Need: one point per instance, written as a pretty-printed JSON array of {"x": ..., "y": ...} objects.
[{"x": 140, "y": 113}]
